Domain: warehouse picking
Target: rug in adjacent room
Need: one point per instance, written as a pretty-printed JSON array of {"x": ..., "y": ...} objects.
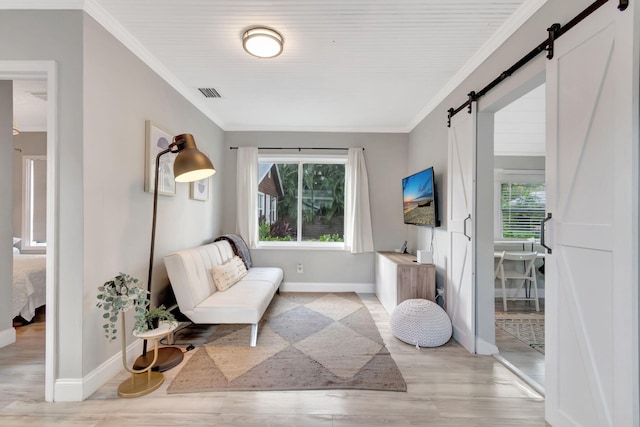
[
  {"x": 306, "y": 341},
  {"x": 526, "y": 327}
]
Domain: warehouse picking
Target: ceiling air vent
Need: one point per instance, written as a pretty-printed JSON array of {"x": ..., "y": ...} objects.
[
  {"x": 39, "y": 95},
  {"x": 209, "y": 92}
]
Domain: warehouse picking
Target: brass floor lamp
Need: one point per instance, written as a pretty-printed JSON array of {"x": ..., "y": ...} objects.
[{"x": 190, "y": 165}]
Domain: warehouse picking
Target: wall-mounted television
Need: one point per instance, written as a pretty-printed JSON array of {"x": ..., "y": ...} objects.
[{"x": 420, "y": 200}]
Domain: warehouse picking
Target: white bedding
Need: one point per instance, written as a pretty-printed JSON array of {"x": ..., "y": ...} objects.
[{"x": 29, "y": 284}]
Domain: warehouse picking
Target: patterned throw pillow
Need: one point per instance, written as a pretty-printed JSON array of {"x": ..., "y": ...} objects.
[{"x": 229, "y": 273}]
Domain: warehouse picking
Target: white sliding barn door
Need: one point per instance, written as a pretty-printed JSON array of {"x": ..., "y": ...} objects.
[
  {"x": 460, "y": 292},
  {"x": 590, "y": 355}
]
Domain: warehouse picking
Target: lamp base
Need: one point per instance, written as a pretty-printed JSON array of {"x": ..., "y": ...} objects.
[
  {"x": 140, "y": 384},
  {"x": 168, "y": 357}
]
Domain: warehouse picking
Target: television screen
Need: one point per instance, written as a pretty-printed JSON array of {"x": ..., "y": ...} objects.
[{"x": 419, "y": 199}]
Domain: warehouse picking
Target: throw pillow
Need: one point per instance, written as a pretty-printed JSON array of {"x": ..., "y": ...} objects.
[{"x": 229, "y": 273}]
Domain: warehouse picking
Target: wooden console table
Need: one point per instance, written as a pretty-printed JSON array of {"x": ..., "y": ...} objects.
[{"x": 399, "y": 277}]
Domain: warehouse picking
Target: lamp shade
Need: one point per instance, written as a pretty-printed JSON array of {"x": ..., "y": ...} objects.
[{"x": 191, "y": 164}]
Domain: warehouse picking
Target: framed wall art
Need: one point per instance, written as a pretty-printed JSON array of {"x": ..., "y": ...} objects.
[
  {"x": 200, "y": 189},
  {"x": 158, "y": 140}
]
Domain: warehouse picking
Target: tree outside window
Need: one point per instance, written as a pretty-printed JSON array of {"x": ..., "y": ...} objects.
[{"x": 308, "y": 197}]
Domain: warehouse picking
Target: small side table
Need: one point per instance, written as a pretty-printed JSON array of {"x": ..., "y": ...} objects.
[{"x": 144, "y": 381}]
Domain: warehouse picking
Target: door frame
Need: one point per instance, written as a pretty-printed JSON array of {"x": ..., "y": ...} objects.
[
  {"x": 46, "y": 70},
  {"x": 526, "y": 79}
]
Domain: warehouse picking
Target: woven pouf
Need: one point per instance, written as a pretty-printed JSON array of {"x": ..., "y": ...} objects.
[{"x": 421, "y": 322}]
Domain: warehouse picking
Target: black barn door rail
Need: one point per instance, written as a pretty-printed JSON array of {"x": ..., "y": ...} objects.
[{"x": 554, "y": 32}]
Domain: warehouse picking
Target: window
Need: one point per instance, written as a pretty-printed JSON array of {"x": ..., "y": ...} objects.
[
  {"x": 34, "y": 209},
  {"x": 306, "y": 197},
  {"x": 521, "y": 199}
]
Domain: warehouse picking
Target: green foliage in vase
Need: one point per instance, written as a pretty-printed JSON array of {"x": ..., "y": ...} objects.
[
  {"x": 150, "y": 318},
  {"x": 118, "y": 295}
]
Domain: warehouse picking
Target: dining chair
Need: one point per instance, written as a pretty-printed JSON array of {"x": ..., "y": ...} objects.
[{"x": 509, "y": 271}]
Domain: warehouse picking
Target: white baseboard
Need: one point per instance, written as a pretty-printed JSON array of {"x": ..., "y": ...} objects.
[
  {"x": 486, "y": 348},
  {"x": 327, "y": 287},
  {"x": 68, "y": 390},
  {"x": 78, "y": 389},
  {"x": 7, "y": 337}
]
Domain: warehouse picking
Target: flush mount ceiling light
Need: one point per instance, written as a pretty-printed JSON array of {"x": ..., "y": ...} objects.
[{"x": 262, "y": 42}]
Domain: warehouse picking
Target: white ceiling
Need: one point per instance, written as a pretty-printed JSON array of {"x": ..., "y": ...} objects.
[
  {"x": 519, "y": 128},
  {"x": 347, "y": 65},
  {"x": 30, "y": 105}
]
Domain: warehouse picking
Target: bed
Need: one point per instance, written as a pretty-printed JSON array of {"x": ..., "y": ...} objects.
[{"x": 29, "y": 284}]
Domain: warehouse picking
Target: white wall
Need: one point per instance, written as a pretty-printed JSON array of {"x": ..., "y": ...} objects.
[
  {"x": 519, "y": 162},
  {"x": 120, "y": 93},
  {"x": 386, "y": 158}
]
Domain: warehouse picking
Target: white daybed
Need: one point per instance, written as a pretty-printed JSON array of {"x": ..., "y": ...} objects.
[{"x": 190, "y": 274}]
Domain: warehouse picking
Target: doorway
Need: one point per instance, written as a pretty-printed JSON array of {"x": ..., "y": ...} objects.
[
  {"x": 519, "y": 207},
  {"x": 45, "y": 71}
]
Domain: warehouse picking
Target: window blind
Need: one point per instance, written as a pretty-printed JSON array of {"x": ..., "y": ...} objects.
[{"x": 522, "y": 207}]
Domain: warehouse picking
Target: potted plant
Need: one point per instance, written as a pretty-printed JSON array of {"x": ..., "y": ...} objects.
[
  {"x": 150, "y": 319},
  {"x": 118, "y": 295}
]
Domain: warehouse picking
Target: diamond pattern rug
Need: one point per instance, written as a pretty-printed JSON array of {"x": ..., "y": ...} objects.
[
  {"x": 306, "y": 341},
  {"x": 526, "y": 327}
]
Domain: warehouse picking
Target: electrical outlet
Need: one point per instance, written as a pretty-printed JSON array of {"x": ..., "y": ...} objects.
[{"x": 300, "y": 268}]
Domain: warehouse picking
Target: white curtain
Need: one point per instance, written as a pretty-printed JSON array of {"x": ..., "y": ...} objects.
[
  {"x": 247, "y": 195},
  {"x": 358, "y": 237}
]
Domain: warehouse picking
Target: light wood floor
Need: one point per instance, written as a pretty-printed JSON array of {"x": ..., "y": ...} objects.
[
  {"x": 446, "y": 387},
  {"x": 529, "y": 361}
]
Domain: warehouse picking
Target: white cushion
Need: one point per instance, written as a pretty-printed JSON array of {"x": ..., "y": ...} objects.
[
  {"x": 245, "y": 302},
  {"x": 265, "y": 274},
  {"x": 229, "y": 273}
]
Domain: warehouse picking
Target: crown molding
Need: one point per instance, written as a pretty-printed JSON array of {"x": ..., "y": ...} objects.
[{"x": 506, "y": 30}]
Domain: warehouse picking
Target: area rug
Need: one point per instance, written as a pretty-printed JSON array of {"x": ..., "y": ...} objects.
[
  {"x": 526, "y": 327},
  {"x": 306, "y": 341}
]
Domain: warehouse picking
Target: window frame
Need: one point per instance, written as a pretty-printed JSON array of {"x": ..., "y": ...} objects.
[
  {"x": 504, "y": 176},
  {"x": 273, "y": 209},
  {"x": 261, "y": 197},
  {"x": 301, "y": 159}
]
